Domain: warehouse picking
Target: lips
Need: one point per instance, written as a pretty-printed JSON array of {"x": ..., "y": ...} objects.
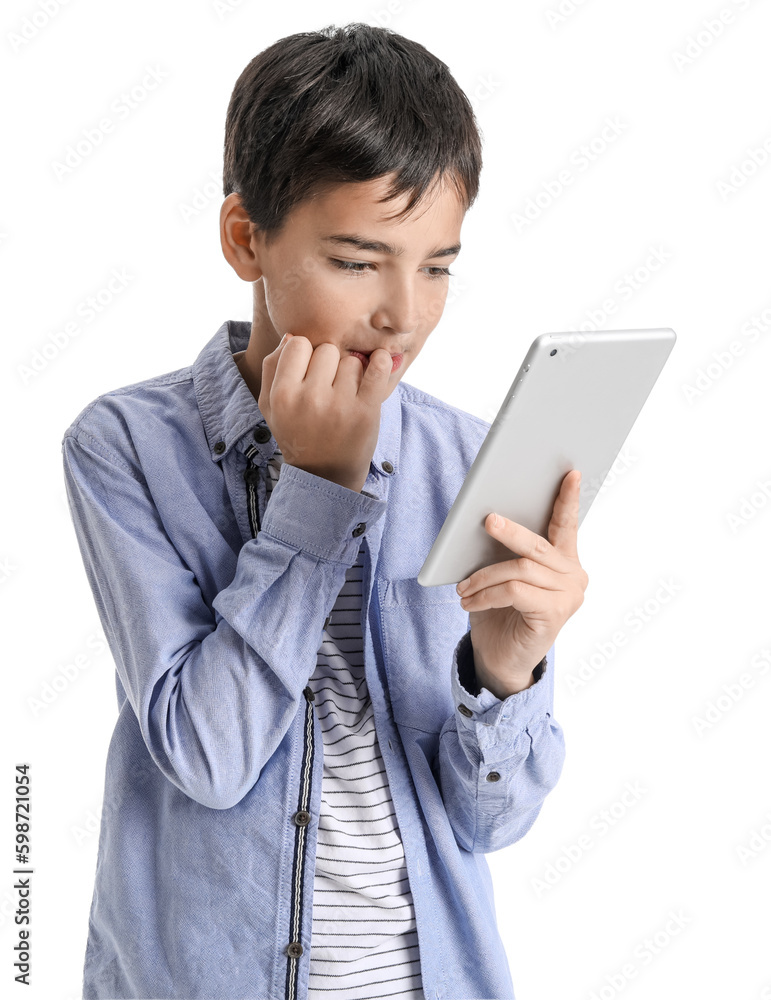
[
  {"x": 396, "y": 359},
  {"x": 357, "y": 350}
]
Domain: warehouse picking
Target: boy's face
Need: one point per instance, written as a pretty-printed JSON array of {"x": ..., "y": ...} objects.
[{"x": 317, "y": 284}]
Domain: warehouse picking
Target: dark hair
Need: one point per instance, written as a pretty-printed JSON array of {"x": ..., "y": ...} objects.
[{"x": 321, "y": 108}]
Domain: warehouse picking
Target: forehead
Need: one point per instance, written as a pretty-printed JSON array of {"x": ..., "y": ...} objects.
[{"x": 352, "y": 214}]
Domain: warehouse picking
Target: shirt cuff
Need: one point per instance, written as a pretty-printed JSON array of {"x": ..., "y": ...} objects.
[
  {"x": 318, "y": 516},
  {"x": 477, "y": 706}
]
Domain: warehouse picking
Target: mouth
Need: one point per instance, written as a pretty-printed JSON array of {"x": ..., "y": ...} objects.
[{"x": 363, "y": 356}]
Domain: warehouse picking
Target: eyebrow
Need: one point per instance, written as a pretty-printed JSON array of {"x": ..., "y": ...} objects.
[{"x": 377, "y": 246}]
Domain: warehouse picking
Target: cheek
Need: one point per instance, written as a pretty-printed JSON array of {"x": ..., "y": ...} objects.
[
  {"x": 311, "y": 303},
  {"x": 335, "y": 304},
  {"x": 435, "y": 303},
  {"x": 294, "y": 291}
]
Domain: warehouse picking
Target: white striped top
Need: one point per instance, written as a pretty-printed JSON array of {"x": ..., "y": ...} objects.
[{"x": 364, "y": 940}]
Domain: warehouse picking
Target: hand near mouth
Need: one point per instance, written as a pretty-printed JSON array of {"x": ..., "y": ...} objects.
[{"x": 324, "y": 409}]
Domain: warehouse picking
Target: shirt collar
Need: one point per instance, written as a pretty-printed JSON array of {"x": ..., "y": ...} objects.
[{"x": 230, "y": 413}]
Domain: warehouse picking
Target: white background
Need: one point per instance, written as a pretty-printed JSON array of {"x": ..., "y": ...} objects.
[{"x": 688, "y": 505}]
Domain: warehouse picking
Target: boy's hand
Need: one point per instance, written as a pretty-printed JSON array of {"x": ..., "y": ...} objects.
[
  {"x": 324, "y": 410},
  {"x": 517, "y": 607}
]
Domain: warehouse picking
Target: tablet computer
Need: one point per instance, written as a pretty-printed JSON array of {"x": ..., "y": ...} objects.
[{"x": 571, "y": 406}]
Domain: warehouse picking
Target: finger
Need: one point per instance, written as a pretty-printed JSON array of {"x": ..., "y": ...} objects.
[
  {"x": 563, "y": 526},
  {"x": 375, "y": 381},
  {"x": 276, "y": 352},
  {"x": 524, "y": 542},
  {"x": 350, "y": 372},
  {"x": 269, "y": 363},
  {"x": 323, "y": 365},
  {"x": 292, "y": 357},
  {"x": 522, "y": 569},
  {"x": 515, "y": 594}
]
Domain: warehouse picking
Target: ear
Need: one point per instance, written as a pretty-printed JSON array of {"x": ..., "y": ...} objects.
[{"x": 236, "y": 239}]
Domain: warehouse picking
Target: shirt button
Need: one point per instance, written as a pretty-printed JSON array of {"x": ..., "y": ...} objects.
[
  {"x": 387, "y": 466},
  {"x": 262, "y": 433},
  {"x": 493, "y": 776},
  {"x": 302, "y": 818},
  {"x": 219, "y": 447},
  {"x": 252, "y": 475},
  {"x": 360, "y": 528},
  {"x": 465, "y": 711},
  {"x": 294, "y": 949}
]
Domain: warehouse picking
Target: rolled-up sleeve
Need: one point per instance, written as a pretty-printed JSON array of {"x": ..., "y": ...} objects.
[{"x": 497, "y": 759}]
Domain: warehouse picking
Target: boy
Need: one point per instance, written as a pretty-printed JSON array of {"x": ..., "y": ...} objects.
[{"x": 313, "y": 752}]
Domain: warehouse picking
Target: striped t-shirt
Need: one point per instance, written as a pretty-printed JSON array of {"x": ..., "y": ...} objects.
[{"x": 364, "y": 942}]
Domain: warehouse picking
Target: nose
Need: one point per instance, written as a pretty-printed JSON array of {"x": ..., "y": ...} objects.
[{"x": 399, "y": 310}]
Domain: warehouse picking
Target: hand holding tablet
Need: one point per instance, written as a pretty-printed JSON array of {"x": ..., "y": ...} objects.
[{"x": 571, "y": 406}]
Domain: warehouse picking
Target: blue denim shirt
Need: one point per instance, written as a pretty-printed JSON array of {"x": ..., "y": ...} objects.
[{"x": 214, "y": 605}]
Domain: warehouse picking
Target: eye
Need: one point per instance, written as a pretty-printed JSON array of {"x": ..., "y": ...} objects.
[
  {"x": 349, "y": 265},
  {"x": 353, "y": 267}
]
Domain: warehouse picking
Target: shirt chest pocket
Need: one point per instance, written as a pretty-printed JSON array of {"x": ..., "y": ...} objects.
[{"x": 421, "y": 628}]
